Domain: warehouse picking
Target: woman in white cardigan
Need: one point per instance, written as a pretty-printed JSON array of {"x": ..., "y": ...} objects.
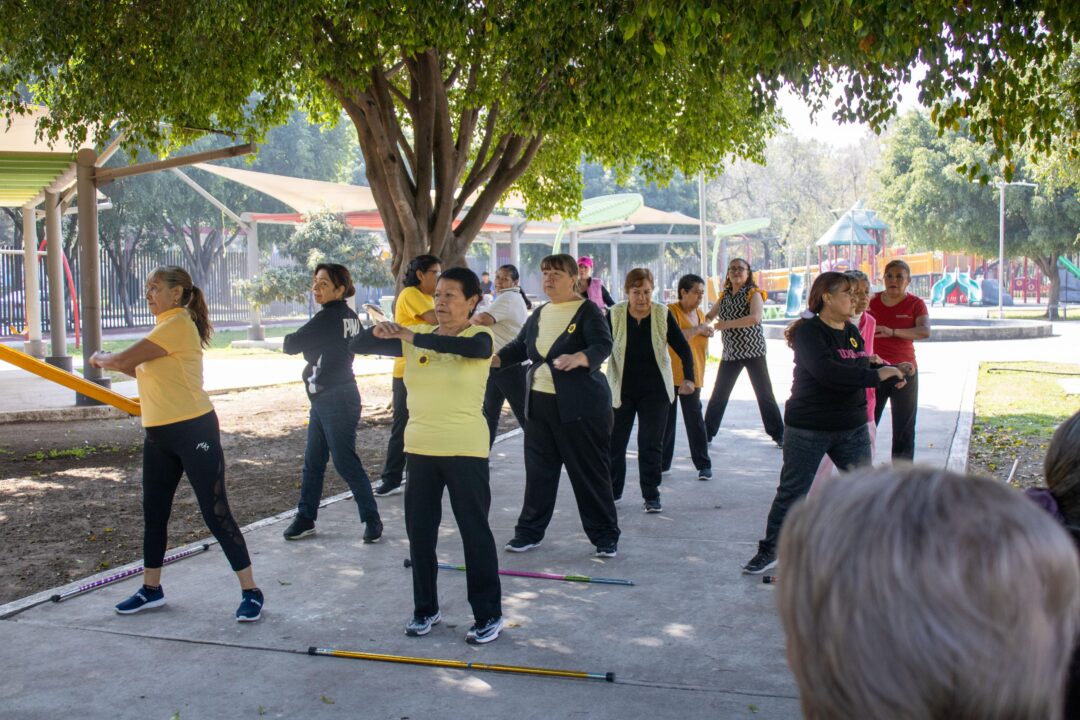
[{"x": 642, "y": 386}]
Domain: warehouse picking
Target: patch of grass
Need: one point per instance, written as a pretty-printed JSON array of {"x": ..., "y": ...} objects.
[
  {"x": 1064, "y": 314},
  {"x": 1018, "y": 406},
  {"x": 219, "y": 341},
  {"x": 79, "y": 453}
]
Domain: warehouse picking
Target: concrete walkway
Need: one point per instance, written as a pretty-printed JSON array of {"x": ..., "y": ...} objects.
[{"x": 693, "y": 638}]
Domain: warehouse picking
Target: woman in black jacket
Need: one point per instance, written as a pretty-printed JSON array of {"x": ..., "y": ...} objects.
[
  {"x": 826, "y": 412},
  {"x": 335, "y": 403},
  {"x": 568, "y": 411}
]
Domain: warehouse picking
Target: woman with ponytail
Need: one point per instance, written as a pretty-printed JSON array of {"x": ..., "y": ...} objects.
[
  {"x": 182, "y": 434},
  {"x": 415, "y": 305},
  {"x": 826, "y": 412},
  {"x": 505, "y": 316}
]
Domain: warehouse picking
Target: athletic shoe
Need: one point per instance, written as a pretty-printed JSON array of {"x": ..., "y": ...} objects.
[
  {"x": 484, "y": 632},
  {"x": 143, "y": 599},
  {"x": 299, "y": 528},
  {"x": 705, "y": 474},
  {"x": 422, "y": 625},
  {"x": 618, "y": 499},
  {"x": 372, "y": 530},
  {"x": 251, "y": 606},
  {"x": 653, "y": 505},
  {"x": 779, "y": 443},
  {"x": 607, "y": 550},
  {"x": 388, "y": 488},
  {"x": 665, "y": 471},
  {"x": 760, "y": 563},
  {"x": 519, "y": 545}
]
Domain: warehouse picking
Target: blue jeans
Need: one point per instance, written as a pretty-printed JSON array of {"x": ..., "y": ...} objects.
[
  {"x": 335, "y": 413},
  {"x": 803, "y": 450}
]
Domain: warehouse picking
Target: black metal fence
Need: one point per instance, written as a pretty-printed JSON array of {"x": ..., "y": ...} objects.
[{"x": 122, "y": 304}]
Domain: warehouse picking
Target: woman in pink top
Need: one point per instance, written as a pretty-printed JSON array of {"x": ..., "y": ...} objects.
[{"x": 590, "y": 288}]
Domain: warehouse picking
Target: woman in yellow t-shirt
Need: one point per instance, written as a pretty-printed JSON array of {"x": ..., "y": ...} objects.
[
  {"x": 182, "y": 434},
  {"x": 446, "y": 446},
  {"x": 414, "y": 305}
]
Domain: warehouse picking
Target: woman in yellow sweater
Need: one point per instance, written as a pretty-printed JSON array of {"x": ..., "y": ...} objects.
[
  {"x": 182, "y": 434},
  {"x": 446, "y": 446}
]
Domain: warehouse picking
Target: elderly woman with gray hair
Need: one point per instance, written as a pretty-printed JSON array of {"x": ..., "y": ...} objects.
[{"x": 920, "y": 593}]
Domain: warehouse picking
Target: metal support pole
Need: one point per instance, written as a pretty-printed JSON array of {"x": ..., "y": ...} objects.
[
  {"x": 54, "y": 262},
  {"x": 255, "y": 332},
  {"x": 515, "y": 245},
  {"x": 1001, "y": 255},
  {"x": 493, "y": 258},
  {"x": 89, "y": 270},
  {"x": 616, "y": 277},
  {"x": 702, "y": 234},
  {"x": 31, "y": 289},
  {"x": 574, "y": 244}
]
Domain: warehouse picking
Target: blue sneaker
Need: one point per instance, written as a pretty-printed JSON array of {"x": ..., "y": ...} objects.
[
  {"x": 421, "y": 625},
  {"x": 251, "y": 606},
  {"x": 143, "y": 599},
  {"x": 484, "y": 632}
]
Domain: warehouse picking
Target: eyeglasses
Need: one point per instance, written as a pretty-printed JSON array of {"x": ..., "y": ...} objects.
[{"x": 738, "y": 269}]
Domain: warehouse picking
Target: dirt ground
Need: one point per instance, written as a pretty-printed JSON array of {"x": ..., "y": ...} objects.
[{"x": 70, "y": 492}]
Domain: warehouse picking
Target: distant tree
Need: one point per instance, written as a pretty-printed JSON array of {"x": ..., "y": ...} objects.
[
  {"x": 322, "y": 238},
  {"x": 932, "y": 204}
]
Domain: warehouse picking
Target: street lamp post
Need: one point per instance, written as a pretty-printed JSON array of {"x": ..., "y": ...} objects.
[{"x": 1001, "y": 242}]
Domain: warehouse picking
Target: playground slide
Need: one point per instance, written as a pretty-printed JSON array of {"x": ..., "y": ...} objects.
[
  {"x": 68, "y": 380},
  {"x": 796, "y": 295},
  {"x": 970, "y": 288},
  {"x": 941, "y": 289},
  {"x": 1065, "y": 263}
]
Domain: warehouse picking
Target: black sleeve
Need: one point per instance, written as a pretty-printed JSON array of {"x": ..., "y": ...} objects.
[
  {"x": 517, "y": 350},
  {"x": 597, "y": 334},
  {"x": 367, "y": 344},
  {"x": 474, "y": 346},
  {"x": 818, "y": 359},
  {"x": 680, "y": 345},
  {"x": 606, "y": 297},
  {"x": 310, "y": 336}
]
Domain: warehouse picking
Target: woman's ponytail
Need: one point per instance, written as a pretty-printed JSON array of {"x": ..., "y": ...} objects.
[{"x": 200, "y": 314}]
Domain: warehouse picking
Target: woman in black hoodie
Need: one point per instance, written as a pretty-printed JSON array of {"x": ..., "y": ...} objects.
[{"x": 335, "y": 402}]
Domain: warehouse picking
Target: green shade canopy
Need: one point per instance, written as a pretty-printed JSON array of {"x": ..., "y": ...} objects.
[
  {"x": 846, "y": 231},
  {"x": 866, "y": 218}
]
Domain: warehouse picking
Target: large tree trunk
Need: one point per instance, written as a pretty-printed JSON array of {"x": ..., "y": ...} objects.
[
  {"x": 422, "y": 183},
  {"x": 1048, "y": 265}
]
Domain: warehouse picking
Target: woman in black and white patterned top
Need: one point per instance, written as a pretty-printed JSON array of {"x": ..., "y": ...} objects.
[{"x": 739, "y": 309}]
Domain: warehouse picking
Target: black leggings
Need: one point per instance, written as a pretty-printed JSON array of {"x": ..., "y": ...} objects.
[{"x": 192, "y": 447}]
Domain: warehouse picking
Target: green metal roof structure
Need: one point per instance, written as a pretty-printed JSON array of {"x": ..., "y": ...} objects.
[
  {"x": 28, "y": 166},
  {"x": 846, "y": 231}
]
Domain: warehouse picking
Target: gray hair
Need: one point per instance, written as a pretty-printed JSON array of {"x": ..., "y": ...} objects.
[
  {"x": 858, "y": 275},
  {"x": 919, "y": 593}
]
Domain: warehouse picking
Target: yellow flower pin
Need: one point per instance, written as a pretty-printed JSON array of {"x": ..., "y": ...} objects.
[
  {"x": 854, "y": 343},
  {"x": 571, "y": 328},
  {"x": 423, "y": 360}
]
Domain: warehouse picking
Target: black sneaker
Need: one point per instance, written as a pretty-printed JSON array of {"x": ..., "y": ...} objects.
[
  {"x": 518, "y": 545},
  {"x": 705, "y": 474},
  {"x": 422, "y": 625},
  {"x": 760, "y": 563},
  {"x": 251, "y": 606},
  {"x": 143, "y": 599},
  {"x": 484, "y": 632},
  {"x": 372, "y": 530},
  {"x": 299, "y": 528},
  {"x": 388, "y": 488},
  {"x": 607, "y": 550},
  {"x": 779, "y": 443},
  {"x": 652, "y": 505},
  {"x": 617, "y": 499}
]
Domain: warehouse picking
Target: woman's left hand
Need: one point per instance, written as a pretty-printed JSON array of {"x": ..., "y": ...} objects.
[
  {"x": 907, "y": 368},
  {"x": 98, "y": 359},
  {"x": 720, "y": 325},
  {"x": 393, "y": 331},
  {"x": 570, "y": 361},
  {"x": 687, "y": 387},
  {"x": 876, "y": 359},
  {"x": 884, "y": 331}
]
